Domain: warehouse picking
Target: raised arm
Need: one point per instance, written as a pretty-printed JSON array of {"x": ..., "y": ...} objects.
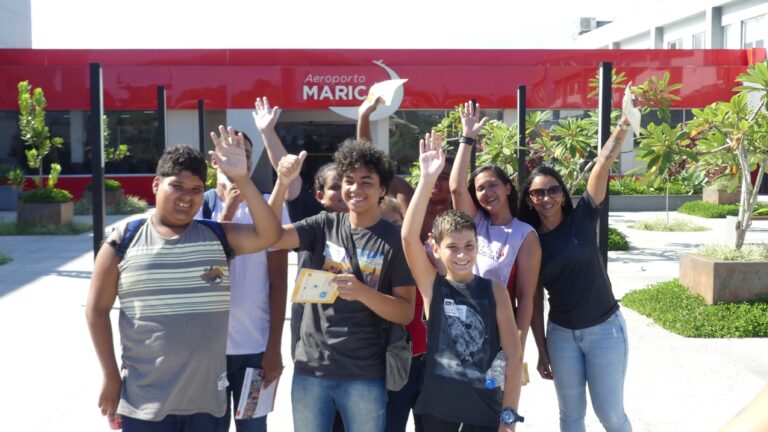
[
  {"x": 288, "y": 170},
  {"x": 364, "y": 119},
  {"x": 431, "y": 163},
  {"x": 526, "y": 280},
  {"x": 265, "y": 118},
  {"x": 471, "y": 125},
  {"x": 598, "y": 179},
  {"x": 230, "y": 158}
]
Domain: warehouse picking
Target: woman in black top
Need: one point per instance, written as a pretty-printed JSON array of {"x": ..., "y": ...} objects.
[{"x": 586, "y": 341}]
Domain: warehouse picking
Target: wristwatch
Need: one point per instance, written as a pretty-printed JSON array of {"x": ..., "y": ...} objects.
[{"x": 509, "y": 416}]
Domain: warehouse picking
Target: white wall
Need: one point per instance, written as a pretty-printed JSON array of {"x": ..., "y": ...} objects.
[
  {"x": 182, "y": 127},
  {"x": 15, "y": 24}
]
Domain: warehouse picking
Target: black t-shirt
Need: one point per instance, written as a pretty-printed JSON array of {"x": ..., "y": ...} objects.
[
  {"x": 462, "y": 341},
  {"x": 573, "y": 272},
  {"x": 303, "y": 206},
  {"x": 345, "y": 339}
]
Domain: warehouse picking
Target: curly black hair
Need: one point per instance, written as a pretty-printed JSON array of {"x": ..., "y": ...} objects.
[
  {"x": 354, "y": 154},
  {"x": 182, "y": 158}
]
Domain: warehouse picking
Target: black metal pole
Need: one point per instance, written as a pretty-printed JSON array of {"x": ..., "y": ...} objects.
[
  {"x": 522, "y": 151},
  {"x": 201, "y": 124},
  {"x": 96, "y": 139},
  {"x": 604, "y": 132},
  {"x": 161, "y": 117}
]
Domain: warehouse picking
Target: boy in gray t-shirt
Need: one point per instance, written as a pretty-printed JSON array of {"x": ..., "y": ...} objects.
[
  {"x": 173, "y": 285},
  {"x": 340, "y": 354}
]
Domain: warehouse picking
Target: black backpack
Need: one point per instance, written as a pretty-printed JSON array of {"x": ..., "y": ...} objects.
[{"x": 133, "y": 226}]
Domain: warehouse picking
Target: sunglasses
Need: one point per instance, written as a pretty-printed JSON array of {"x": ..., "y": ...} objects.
[{"x": 554, "y": 192}]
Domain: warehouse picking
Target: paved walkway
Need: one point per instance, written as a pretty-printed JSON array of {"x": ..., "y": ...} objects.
[{"x": 50, "y": 379}]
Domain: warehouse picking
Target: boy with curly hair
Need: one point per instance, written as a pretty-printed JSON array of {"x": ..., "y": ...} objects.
[{"x": 340, "y": 356}]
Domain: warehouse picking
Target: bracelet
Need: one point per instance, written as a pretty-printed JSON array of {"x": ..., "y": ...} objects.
[
  {"x": 624, "y": 126},
  {"x": 466, "y": 140}
]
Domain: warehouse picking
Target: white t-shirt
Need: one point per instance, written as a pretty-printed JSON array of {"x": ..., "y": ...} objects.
[
  {"x": 249, "y": 312},
  {"x": 497, "y": 247}
]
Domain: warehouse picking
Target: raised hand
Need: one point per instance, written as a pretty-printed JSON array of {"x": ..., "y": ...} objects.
[
  {"x": 368, "y": 107},
  {"x": 289, "y": 167},
  {"x": 265, "y": 116},
  {"x": 431, "y": 155},
  {"x": 229, "y": 154},
  {"x": 470, "y": 119}
]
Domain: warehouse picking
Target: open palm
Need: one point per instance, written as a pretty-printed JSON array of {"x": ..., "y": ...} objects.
[
  {"x": 229, "y": 154},
  {"x": 431, "y": 155},
  {"x": 264, "y": 115}
]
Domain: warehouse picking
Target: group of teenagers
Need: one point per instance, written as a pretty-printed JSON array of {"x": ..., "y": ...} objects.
[{"x": 461, "y": 261}]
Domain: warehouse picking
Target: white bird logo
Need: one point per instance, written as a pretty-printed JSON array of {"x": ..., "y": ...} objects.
[{"x": 382, "y": 111}]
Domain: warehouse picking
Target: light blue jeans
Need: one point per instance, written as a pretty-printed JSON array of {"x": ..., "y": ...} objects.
[
  {"x": 362, "y": 404},
  {"x": 594, "y": 356}
]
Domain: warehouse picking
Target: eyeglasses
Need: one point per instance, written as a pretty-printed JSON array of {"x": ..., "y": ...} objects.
[{"x": 554, "y": 192}]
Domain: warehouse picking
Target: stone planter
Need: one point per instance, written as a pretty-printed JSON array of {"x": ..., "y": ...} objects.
[
  {"x": 715, "y": 195},
  {"x": 645, "y": 202},
  {"x": 111, "y": 198},
  {"x": 48, "y": 213},
  {"x": 9, "y": 198},
  {"x": 724, "y": 281}
]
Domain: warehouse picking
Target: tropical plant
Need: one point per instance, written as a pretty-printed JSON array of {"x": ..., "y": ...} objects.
[
  {"x": 35, "y": 133},
  {"x": 116, "y": 153}
]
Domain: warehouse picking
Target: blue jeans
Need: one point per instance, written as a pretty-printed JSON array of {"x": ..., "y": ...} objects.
[
  {"x": 236, "y": 366},
  {"x": 362, "y": 404},
  {"x": 175, "y": 423},
  {"x": 594, "y": 356}
]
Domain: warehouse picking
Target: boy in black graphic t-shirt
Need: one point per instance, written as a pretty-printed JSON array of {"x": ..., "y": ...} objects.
[
  {"x": 339, "y": 359},
  {"x": 469, "y": 318}
]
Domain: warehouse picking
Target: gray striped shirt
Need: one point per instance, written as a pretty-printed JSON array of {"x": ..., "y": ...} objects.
[{"x": 174, "y": 297}]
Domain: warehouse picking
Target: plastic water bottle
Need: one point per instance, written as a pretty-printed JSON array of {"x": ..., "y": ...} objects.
[{"x": 495, "y": 375}]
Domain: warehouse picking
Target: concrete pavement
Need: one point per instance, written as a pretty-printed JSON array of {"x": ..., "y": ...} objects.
[{"x": 50, "y": 378}]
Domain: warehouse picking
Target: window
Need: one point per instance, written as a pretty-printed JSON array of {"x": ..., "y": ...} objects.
[
  {"x": 698, "y": 41},
  {"x": 675, "y": 44},
  {"x": 727, "y": 35},
  {"x": 753, "y": 32}
]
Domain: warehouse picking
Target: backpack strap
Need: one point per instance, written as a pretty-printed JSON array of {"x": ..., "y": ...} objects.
[
  {"x": 209, "y": 203},
  {"x": 219, "y": 231},
  {"x": 131, "y": 228}
]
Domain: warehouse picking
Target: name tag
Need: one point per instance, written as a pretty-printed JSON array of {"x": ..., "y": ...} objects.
[{"x": 454, "y": 310}]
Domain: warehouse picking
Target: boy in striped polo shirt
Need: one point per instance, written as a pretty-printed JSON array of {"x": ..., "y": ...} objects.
[{"x": 173, "y": 286}]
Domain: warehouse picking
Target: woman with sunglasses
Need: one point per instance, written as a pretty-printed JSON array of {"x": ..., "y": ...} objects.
[
  {"x": 586, "y": 338},
  {"x": 508, "y": 250}
]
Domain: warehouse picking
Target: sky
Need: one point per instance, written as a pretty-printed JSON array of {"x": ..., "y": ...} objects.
[{"x": 476, "y": 24}]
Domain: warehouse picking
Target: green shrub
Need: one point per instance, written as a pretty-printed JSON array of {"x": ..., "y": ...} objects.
[
  {"x": 722, "y": 252},
  {"x": 632, "y": 186},
  {"x": 674, "y": 225},
  {"x": 5, "y": 259},
  {"x": 617, "y": 241},
  {"x": 129, "y": 205},
  {"x": 761, "y": 212},
  {"x": 46, "y": 196},
  {"x": 126, "y": 205},
  {"x": 13, "y": 228},
  {"x": 109, "y": 186},
  {"x": 676, "y": 309},
  {"x": 712, "y": 211}
]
